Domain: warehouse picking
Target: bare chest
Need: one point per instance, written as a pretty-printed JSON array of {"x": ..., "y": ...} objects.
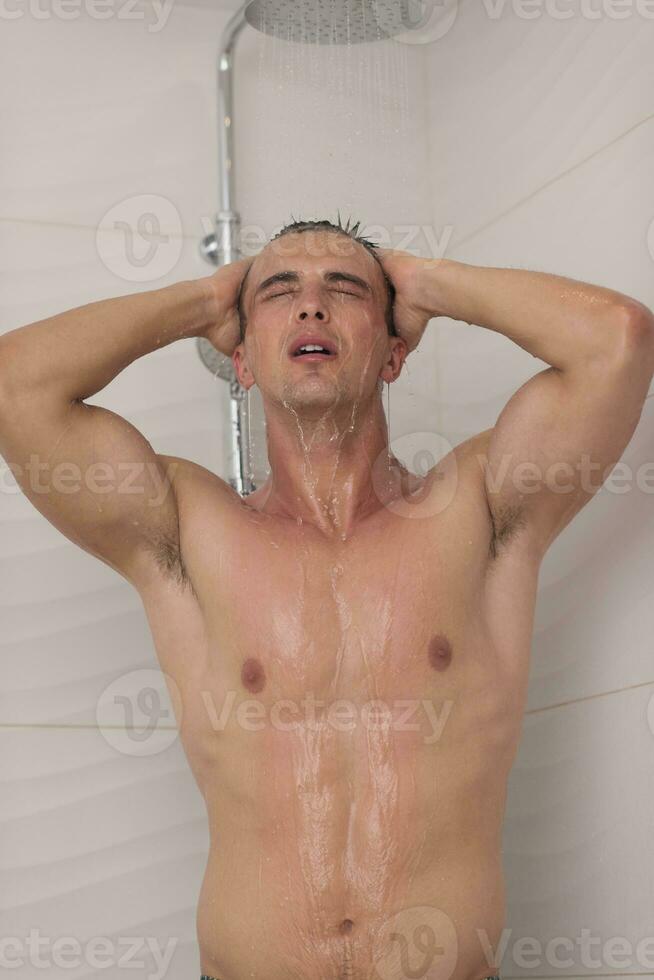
[{"x": 394, "y": 610}]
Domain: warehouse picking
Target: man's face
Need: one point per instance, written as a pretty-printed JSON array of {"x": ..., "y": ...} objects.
[{"x": 324, "y": 287}]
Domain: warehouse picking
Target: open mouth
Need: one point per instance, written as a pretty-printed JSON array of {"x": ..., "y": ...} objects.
[{"x": 313, "y": 352}]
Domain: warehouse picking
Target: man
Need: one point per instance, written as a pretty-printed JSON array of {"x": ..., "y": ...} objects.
[{"x": 350, "y": 643}]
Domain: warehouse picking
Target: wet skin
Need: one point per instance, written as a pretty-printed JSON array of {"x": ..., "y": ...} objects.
[
  {"x": 325, "y": 826},
  {"x": 350, "y": 645},
  {"x": 347, "y": 649}
]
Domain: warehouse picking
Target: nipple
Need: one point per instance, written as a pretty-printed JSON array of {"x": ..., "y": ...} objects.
[
  {"x": 440, "y": 652},
  {"x": 253, "y": 675}
]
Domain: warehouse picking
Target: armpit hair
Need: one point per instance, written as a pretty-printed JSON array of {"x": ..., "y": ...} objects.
[
  {"x": 168, "y": 556},
  {"x": 507, "y": 523}
]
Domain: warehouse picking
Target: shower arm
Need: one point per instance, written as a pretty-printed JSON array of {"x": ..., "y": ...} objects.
[{"x": 221, "y": 248}]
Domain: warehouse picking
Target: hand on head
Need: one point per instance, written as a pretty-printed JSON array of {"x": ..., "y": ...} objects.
[
  {"x": 225, "y": 334},
  {"x": 414, "y": 306}
]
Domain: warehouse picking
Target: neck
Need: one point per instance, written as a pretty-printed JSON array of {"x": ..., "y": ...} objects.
[{"x": 322, "y": 465}]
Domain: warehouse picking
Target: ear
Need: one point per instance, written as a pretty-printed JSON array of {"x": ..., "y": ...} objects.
[
  {"x": 397, "y": 354},
  {"x": 241, "y": 367}
]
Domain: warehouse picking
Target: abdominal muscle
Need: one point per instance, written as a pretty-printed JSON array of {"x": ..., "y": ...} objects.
[
  {"x": 354, "y": 855},
  {"x": 353, "y": 846}
]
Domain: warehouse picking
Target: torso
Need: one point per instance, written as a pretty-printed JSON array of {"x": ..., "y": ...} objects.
[{"x": 349, "y": 840}]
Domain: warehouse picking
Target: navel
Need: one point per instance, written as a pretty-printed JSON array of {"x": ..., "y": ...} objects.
[
  {"x": 253, "y": 675},
  {"x": 440, "y": 652},
  {"x": 346, "y": 927}
]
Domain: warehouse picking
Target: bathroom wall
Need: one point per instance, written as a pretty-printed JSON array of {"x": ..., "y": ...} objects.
[
  {"x": 508, "y": 141},
  {"x": 108, "y": 182},
  {"x": 541, "y": 154}
]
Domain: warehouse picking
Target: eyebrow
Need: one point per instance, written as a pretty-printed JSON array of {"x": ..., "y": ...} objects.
[{"x": 293, "y": 277}]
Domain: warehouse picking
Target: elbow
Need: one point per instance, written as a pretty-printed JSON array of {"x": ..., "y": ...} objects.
[
  {"x": 638, "y": 322},
  {"x": 636, "y": 332}
]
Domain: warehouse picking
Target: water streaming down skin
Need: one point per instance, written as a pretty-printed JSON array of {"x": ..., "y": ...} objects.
[
  {"x": 317, "y": 803},
  {"x": 359, "y": 77},
  {"x": 250, "y": 459}
]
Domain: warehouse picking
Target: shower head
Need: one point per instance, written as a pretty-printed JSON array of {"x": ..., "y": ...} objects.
[
  {"x": 219, "y": 364},
  {"x": 327, "y": 21}
]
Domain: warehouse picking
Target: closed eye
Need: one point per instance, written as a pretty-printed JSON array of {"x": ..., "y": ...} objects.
[{"x": 286, "y": 292}]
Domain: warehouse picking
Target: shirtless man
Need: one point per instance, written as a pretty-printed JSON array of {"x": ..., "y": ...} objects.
[{"x": 350, "y": 643}]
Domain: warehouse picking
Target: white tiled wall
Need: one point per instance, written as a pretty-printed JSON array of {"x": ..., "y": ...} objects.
[
  {"x": 529, "y": 143},
  {"x": 542, "y": 154}
]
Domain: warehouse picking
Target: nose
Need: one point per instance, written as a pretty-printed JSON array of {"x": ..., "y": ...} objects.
[
  {"x": 312, "y": 309},
  {"x": 312, "y": 305}
]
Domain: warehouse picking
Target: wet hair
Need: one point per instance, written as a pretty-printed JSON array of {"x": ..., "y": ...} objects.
[{"x": 351, "y": 231}]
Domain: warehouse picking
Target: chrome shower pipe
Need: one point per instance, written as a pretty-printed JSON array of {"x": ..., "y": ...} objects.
[{"x": 221, "y": 248}]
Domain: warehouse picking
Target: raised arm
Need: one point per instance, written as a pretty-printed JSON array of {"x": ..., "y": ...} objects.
[
  {"x": 558, "y": 437},
  {"x": 86, "y": 469}
]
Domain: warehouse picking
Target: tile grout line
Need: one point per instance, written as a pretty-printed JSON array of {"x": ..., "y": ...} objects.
[
  {"x": 74, "y": 226},
  {"x": 551, "y": 182},
  {"x": 173, "y": 728},
  {"x": 462, "y": 241},
  {"x": 589, "y": 697}
]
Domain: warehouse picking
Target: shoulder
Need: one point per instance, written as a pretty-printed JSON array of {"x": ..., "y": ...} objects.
[
  {"x": 472, "y": 461},
  {"x": 190, "y": 484}
]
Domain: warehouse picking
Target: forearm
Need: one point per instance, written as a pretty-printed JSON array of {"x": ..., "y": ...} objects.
[
  {"x": 561, "y": 321},
  {"x": 75, "y": 354}
]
